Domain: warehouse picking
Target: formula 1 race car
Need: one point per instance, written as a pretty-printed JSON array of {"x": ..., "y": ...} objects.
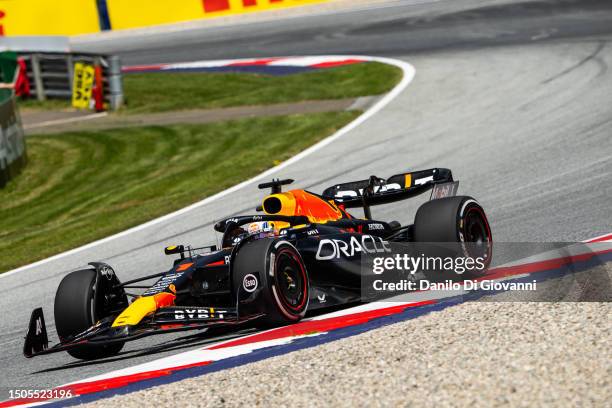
[{"x": 302, "y": 254}]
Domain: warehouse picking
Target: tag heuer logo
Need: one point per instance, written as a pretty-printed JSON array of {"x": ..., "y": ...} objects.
[
  {"x": 249, "y": 283},
  {"x": 107, "y": 272}
]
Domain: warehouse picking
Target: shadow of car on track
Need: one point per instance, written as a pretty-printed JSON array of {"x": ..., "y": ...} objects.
[{"x": 181, "y": 343}]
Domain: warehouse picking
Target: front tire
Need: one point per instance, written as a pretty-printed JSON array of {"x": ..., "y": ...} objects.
[
  {"x": 76, "y": 311},
  {"x": 283, "y": 287}
]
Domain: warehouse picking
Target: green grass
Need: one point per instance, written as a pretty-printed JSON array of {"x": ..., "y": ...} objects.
[
  {"x": 49, "y": 104},
  {"x": 159, "y": 92},
  {"x": 82, "y": 186}
]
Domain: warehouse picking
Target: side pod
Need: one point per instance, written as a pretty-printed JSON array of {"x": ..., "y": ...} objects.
[{"x": 36, "y": 339}]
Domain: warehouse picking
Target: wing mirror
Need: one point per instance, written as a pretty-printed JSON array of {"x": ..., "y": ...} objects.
[{"x": 174, "y": 249}]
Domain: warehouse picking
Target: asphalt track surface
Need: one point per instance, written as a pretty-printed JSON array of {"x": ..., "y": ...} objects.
[{"x": 514, "y": 98}]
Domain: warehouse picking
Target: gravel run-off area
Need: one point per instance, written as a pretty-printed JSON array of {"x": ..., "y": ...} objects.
[{"x": 475, "y": 354}]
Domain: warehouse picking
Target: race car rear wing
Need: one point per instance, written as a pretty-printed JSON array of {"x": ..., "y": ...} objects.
[{"x": 377, "y": 191}]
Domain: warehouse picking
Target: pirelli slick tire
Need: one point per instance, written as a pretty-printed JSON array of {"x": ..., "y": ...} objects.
[
  {"x": 273, "y": 274},
  {"x": 461, "y": 223},
  {"x": 75, "y": 311}
]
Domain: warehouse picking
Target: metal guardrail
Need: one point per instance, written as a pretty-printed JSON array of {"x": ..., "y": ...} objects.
[{"x": 51, "y": 74}]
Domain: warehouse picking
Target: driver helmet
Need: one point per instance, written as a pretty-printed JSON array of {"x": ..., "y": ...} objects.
[{"x": 261, "y": 227}]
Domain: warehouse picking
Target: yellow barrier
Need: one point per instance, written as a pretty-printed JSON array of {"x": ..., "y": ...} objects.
[
  {"x": 83, "y": 84},
  {"x": 70, "y": 17},
  {"x": 48, "y": 17},
  {"x": 143, "y": 13}
]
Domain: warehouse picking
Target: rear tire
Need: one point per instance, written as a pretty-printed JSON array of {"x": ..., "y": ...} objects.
[
  {"x": 456, "y": 220},
  {"x": 283, "y": 288},
  {"x": 75, "y": 312}
]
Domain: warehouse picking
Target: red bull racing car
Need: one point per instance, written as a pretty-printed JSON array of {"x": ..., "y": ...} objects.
[{"x": 303, "y": 252}]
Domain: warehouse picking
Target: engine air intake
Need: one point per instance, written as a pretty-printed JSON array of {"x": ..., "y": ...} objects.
[{"x": 272, "y": 205}]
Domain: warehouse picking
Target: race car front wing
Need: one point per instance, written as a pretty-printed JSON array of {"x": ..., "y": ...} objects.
[{"x": 165, "y": 320}]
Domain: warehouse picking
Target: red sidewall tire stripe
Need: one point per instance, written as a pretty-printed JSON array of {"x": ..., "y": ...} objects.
[{"x": 293, "y": 313}]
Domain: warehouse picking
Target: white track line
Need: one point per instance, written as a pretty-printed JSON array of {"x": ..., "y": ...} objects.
[
  {"x": 66, "y": 120},
  {"x": 597, "y": 238},
  {"x": 409, "y": 73}
]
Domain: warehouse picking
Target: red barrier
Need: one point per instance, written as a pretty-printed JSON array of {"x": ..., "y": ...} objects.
[
  {"x": 22, "y": 84},
  {"x": 215, "y": 5},
  {"x": 2, "y": 14},
  {"x": 222, "y": 5},
  {"x": 98, "y": 89}
]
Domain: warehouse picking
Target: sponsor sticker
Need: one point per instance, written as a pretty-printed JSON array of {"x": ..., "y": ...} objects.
[
  {"x": 83, "y": 84},
  {"x": 198, "y": 314},
  {"x": 107, "y": 272},
  {"x": 249, "y": 283},
  {"x": 444, "y": 190},
  {"x": 330, "y": 249}
]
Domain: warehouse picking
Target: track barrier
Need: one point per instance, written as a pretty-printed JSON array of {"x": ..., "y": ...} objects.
[
  {"x": 73, "y": 17},
  {"x": 54, "y": 75}
]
